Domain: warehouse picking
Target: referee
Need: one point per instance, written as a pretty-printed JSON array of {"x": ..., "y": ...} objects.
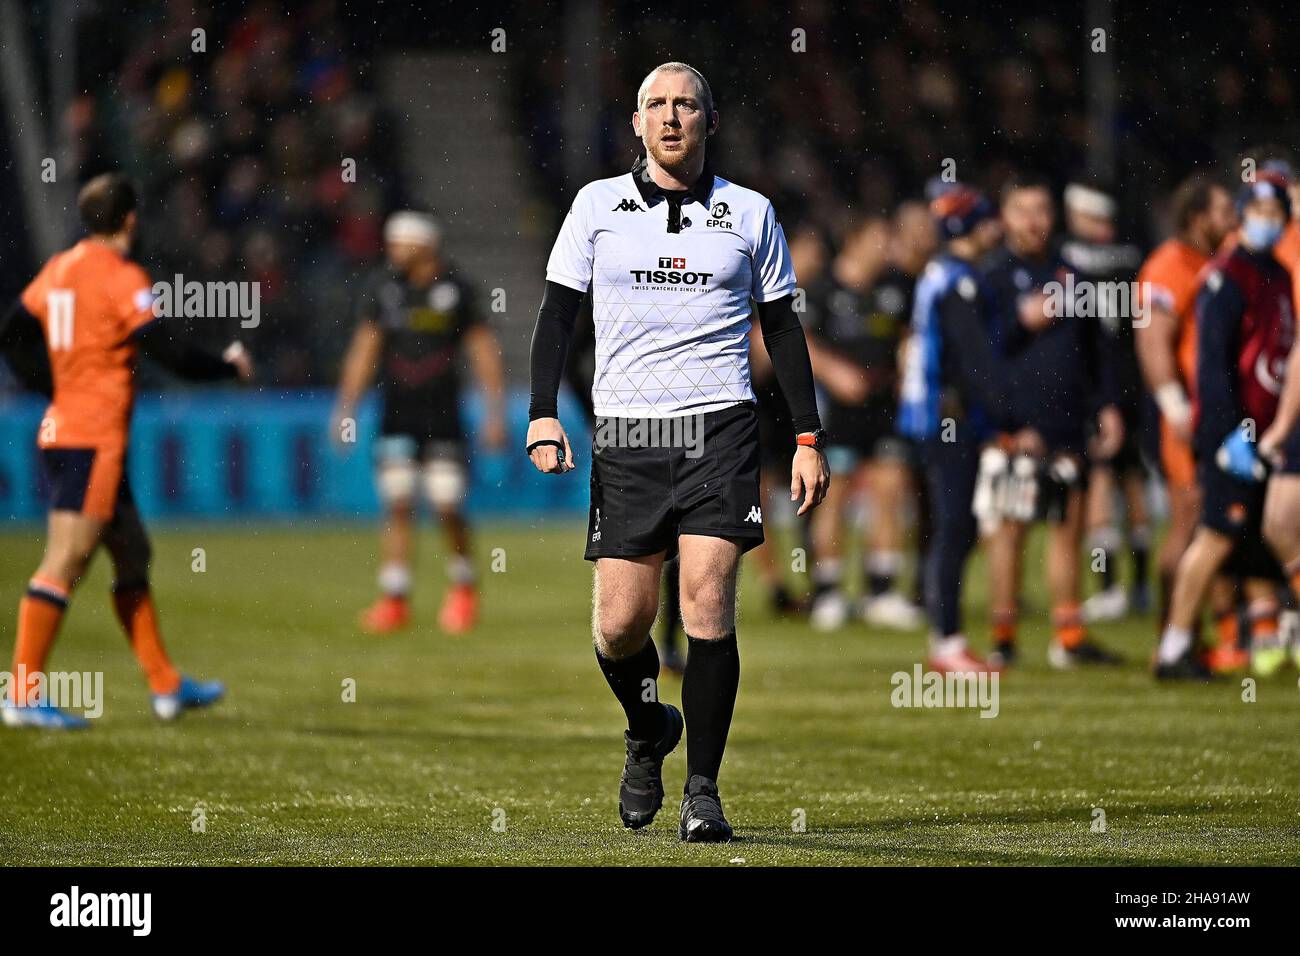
[{"x": 673, "y": 255}]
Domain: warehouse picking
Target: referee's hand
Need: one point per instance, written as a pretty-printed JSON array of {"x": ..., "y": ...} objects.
[
  {"x": 546, "y": 458},
  {"x": 809, "y": 477}
]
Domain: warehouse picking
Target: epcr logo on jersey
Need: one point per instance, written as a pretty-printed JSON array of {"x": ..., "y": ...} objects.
[{"x": 719, "y": 214}]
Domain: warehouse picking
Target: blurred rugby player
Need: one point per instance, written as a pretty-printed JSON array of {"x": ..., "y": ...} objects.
[
  {"x": 1203, "y": 216},
  {"x": 953, "y": 399},
  {"x": 1095, "y": 256},
  {"x": 1065, "y": 386},
  {"x": 1245, "y": 329},
  {"x": 414, "y": 317},
  {"x": 856, "y": 320}
]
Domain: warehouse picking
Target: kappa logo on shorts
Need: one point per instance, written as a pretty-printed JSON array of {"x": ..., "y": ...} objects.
[{"x": 755, "y": 515}]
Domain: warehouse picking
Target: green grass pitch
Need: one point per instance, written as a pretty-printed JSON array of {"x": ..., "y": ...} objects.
[{"x": 514, "y": 726}]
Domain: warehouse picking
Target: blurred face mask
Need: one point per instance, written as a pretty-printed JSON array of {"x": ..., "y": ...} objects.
[{"x": 1260, "y": 233}]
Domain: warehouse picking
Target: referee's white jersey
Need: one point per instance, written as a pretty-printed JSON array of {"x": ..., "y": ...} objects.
[{"x": 671, "y": 289}]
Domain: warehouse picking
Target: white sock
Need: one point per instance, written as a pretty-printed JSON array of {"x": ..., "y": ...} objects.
[
  {"x": 460, "y": 569},
  {"x": 886, "y": 563},
  {"x": 1107, "y": 538},
  {"x": 1174, "y": 643},
  {"x": 828, "y": 572},
  {"x": 395, "y": 579},
  {"x": 942, "y": 646}
]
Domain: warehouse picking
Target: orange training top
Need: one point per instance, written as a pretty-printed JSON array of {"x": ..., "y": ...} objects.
[{"x": 89, "y": 300}]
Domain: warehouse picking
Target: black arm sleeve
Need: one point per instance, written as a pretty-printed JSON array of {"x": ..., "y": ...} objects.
[
  {"x": 981, "y": 378},
  {"x": 1218, "y": 320},
  {"x": 788, "y": 349},
  {"x": 550, "y": 351},
  {"x": 182, "y": 358},
  {"x": 22, "y": 343}
]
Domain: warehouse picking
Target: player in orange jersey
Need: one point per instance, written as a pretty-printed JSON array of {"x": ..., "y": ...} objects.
[
  {"x": 94, "y": 310},
  {"x": 1203, "y": 215}
]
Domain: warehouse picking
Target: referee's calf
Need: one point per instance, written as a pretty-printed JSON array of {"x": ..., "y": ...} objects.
[{"x": 673, "y": 255}]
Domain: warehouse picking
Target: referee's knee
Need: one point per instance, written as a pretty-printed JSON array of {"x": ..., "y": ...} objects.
[
  {"x": 621, "y": 632},
  {"x": 708, "y": 611}
]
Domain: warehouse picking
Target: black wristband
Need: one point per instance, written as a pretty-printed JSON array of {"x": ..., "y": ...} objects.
[{"x": 559, "y": 454}]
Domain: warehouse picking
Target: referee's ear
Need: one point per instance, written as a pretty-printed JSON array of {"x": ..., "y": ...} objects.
[{"x": 713, "y": 124}]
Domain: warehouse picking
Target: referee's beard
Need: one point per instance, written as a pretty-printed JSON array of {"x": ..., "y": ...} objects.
[{"x": 684, "y": 165}]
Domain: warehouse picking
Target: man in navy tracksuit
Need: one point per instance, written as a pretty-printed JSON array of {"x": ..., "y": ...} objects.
[
  {"x": 952, "y": 399},
  {"x": 1055, "y": 348}
]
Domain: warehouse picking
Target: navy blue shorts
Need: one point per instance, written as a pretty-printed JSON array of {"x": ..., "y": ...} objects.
[
  {"x": 1235, "y": 508},
  {"x": 90, "y": 481}
]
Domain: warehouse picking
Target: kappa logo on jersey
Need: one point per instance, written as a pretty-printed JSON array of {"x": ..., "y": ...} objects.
[
  {"x": 671, "y": 272},
  {"x": 627, "y": 205},
  {"x": 755, "y": 515}
]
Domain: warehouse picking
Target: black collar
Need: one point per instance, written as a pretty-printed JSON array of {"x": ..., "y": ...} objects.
[{"x": 651, "y": 190}]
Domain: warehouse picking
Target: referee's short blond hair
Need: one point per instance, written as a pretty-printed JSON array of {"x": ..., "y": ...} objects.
[{"x": 673, "y": 66}]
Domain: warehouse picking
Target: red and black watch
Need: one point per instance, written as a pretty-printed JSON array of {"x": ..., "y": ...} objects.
[{"x": 813, "y": 439}]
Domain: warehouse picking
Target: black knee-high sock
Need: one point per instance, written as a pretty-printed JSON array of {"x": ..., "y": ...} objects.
[
  {"x": 708, "y": 698},
  {"x": 672, "y": 603},
  {"x": 628, "y": 678},
  {"x": 1140, "y": 541}
]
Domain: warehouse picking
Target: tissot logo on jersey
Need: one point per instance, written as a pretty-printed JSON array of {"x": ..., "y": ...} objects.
[{"x": 672, "y": 272}]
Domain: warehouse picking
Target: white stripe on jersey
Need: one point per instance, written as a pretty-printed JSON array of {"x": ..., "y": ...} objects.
[{"x": 672, "y": 310}]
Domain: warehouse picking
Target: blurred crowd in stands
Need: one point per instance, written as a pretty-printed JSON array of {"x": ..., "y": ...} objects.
[
  {"x": 238, "y": 151},
  {"x": 885, "y": 92},
  {"x": 240, "y": 155}
]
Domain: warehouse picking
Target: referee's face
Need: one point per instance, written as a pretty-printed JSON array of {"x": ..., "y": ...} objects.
[{"x": 672, "y": 122}]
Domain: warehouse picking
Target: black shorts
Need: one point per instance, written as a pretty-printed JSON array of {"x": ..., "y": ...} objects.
[
  {"x": 428, "y": 424},
  {"x": 1128, "y": 460},
  {"x": 1235, "y": 508},
  {"x": 643, "y": 497},
  {"x": 867, "y": 430}
]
